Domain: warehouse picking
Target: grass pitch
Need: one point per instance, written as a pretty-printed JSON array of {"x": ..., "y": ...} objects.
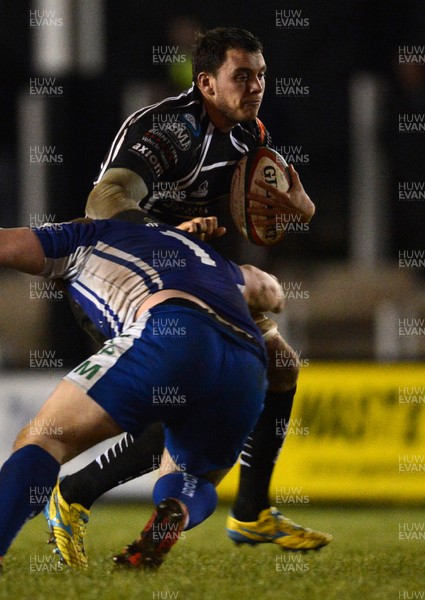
[{"x": 377, "y": 553}]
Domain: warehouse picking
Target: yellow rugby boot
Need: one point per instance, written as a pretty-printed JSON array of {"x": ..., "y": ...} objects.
[
  {"x": 67, "y": 523},
  {"x": 272, "y": 527}
]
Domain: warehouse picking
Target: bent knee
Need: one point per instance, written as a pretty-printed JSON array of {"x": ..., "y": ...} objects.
[
  {"x": 50, "y": 440},
  {"x": 23, "y": 438}
]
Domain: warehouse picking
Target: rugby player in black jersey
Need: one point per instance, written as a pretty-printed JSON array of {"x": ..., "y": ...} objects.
[{"x": 169, "y": 162}]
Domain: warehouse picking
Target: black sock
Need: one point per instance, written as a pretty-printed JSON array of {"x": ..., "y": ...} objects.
[
  {"x": 259, "y": 456},
  {"x": 127, "y": 459}
]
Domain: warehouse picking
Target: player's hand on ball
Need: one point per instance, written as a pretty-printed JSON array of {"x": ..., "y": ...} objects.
[
  {"x": 295, "y": 202},
  {"x": 205, "y": 227}
]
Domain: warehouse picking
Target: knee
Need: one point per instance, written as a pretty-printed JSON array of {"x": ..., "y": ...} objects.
[
  {"x": 23, "y": 438},
  {"x": 49, "y": 441}
]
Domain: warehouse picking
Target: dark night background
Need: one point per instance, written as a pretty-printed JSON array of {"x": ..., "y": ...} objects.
[{"x": 342, "y": 40}]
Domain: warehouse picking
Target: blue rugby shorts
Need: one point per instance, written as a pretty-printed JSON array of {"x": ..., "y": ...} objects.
[{"x": 181, "y": 366}]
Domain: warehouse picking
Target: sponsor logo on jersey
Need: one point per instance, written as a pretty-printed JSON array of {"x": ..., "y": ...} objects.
[
  {"x": 179, "y": 135},
  {"x": 149, "y": 156},
  {"x": 202, "y": 190},
  {"x": 193, "y": 125}
]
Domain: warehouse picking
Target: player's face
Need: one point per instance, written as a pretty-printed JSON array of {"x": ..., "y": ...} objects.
[{"x": 238, "y": 88}]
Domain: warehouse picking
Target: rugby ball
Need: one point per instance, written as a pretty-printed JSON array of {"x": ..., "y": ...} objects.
[{"x": 268, "y": 165}]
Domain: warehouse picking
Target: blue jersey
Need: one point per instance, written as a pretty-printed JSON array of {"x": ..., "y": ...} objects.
[{"x": 111, "y": 267}]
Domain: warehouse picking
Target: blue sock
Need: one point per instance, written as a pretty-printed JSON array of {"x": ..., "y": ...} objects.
[
  {"x": 26, "y": 482},
  {"x": 196, "y": 493}
]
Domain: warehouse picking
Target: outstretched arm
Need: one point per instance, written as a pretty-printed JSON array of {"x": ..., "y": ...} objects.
[
  {"x": 21, "y": 249},
  {"x": 263, "y": 292}
]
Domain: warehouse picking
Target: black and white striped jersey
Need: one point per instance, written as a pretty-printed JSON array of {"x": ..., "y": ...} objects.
[{"x": 185, "y": 161}]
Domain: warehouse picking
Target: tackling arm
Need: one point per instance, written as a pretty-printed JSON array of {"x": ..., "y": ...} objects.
[
  {"x": 20, "y": 249},
  {"x": 119, "y": 190},
  {"x": 263, "y": 293}
]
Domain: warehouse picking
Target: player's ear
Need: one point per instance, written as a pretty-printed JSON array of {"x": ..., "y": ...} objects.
[{"x": 205, "y": 82}]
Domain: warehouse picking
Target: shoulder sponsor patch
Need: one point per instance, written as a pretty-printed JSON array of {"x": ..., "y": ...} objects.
[{"x": 193, "y": 125}]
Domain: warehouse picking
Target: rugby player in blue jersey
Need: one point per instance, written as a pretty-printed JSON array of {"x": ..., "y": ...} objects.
[
  {"x": 215, "y": 366},
  {"x": 172, "y": 161}
]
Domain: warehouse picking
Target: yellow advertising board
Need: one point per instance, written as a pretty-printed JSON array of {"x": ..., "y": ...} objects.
[{"x": 357, "y": 434}]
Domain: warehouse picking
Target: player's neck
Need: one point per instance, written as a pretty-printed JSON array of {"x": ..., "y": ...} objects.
[{"x": 217, "y": 118}]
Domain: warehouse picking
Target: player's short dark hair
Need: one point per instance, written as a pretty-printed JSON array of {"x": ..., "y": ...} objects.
[{"x": 210, "y": 48}]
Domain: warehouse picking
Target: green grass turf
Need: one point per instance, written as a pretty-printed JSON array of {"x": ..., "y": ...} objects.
[{"x": 366, "y": 561}]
